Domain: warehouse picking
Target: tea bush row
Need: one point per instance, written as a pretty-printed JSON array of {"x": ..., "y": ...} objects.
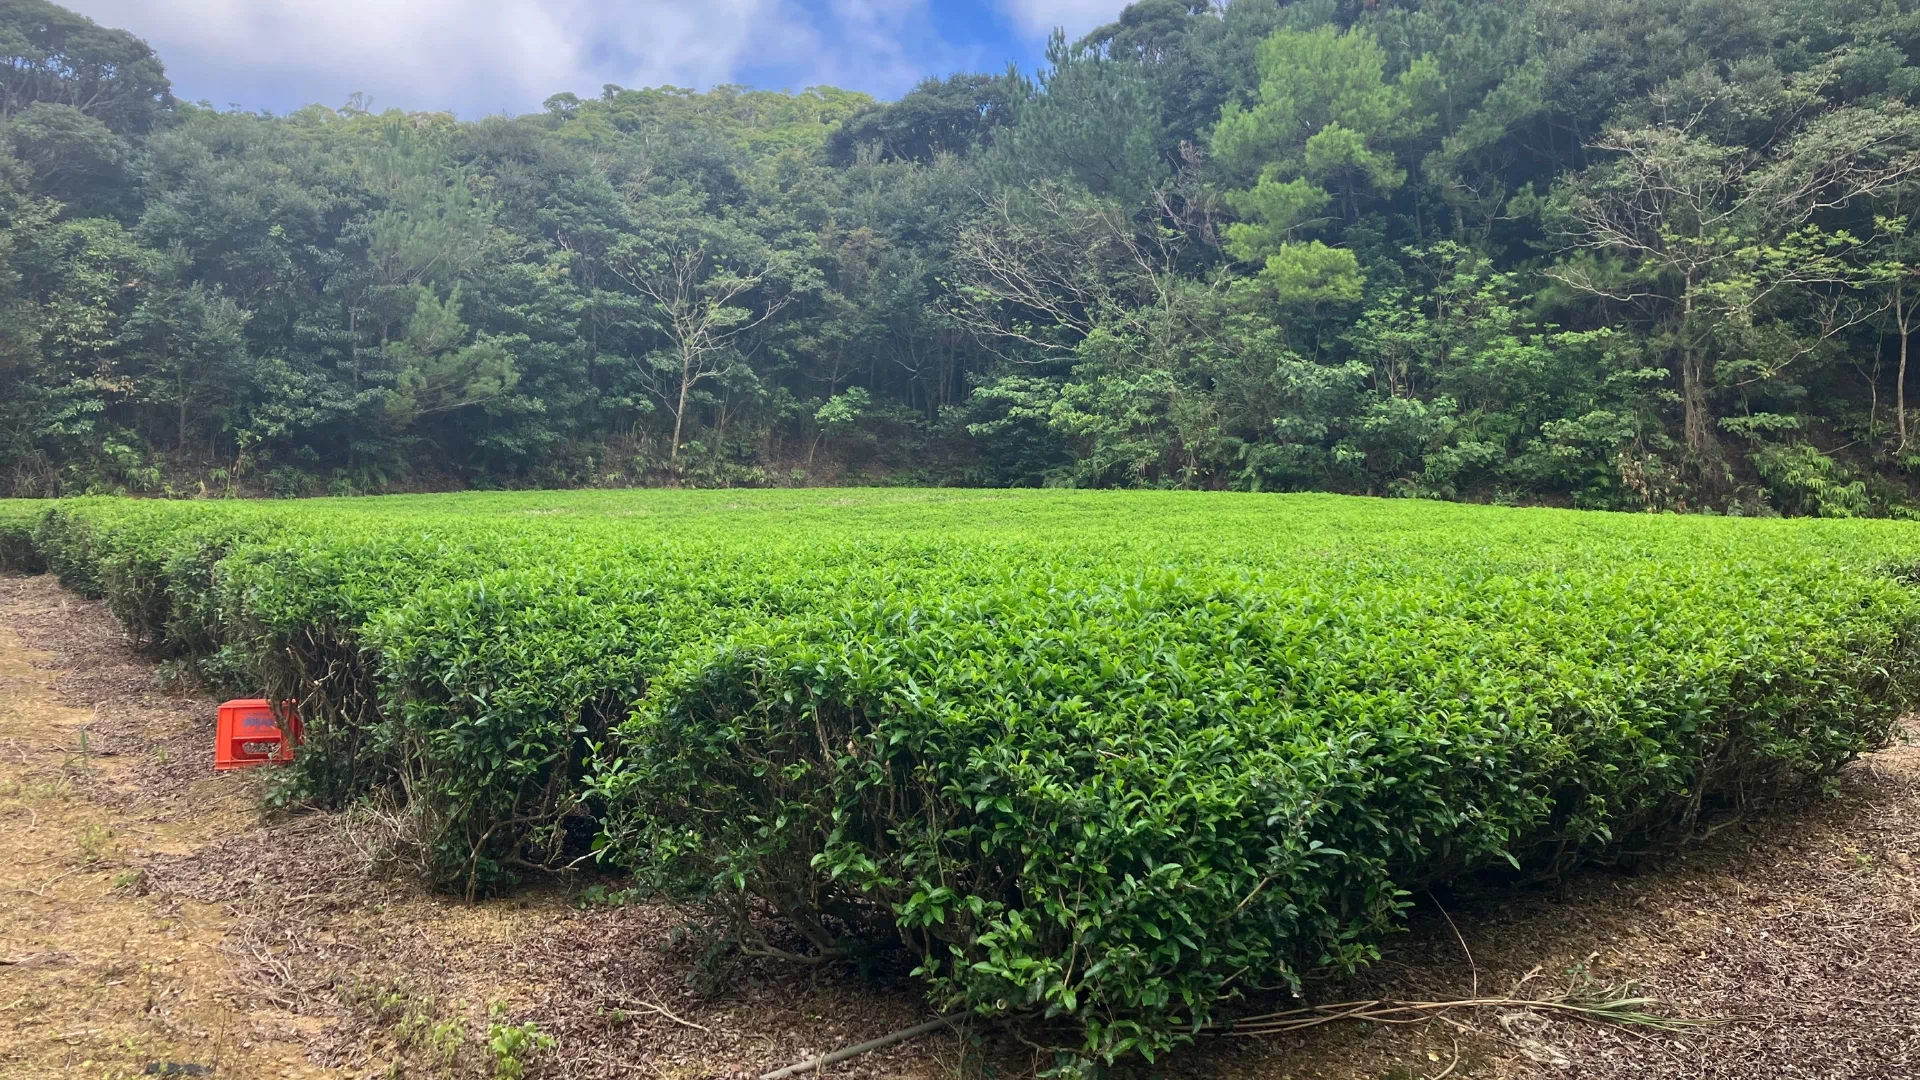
[
  {"x": 465, "y": 660},
  {"x": 1105, "y": 762}
]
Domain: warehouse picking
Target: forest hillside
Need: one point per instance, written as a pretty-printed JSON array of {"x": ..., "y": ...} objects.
[{"x": 1625, "y": 254}]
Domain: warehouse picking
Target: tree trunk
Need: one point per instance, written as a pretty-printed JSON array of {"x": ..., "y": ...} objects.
[
  {"x": 1698, "y": 423},
  {"x": 353, "y": 351},
  {"x": 1693, "y": 395},
  {"x": 1900, "y": 387},
  {"x": 680, "y": 413},
  {"x": 1904, "y": 318}
]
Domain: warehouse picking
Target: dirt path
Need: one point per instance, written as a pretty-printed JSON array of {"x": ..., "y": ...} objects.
[
  {"x": 153, "y": 918},
  {"x": 95, "y": 981}
]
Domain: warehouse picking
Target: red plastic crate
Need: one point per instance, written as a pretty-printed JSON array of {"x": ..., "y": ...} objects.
[{"x": 248, "y": 735}]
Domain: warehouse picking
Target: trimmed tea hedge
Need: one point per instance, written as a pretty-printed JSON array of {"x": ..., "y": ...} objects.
[{"x": 1107, "y": 760}]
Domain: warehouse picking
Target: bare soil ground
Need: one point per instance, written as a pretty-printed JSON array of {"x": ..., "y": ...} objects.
[
  {"x": 153, "y": 917},
  {"x": 94, "y": 979}
]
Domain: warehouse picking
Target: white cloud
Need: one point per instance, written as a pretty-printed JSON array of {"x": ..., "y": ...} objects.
[
  {"x": 872, "y": 37},
  {"x": 1077, "y": 16},
  {"x": 491, "y": 55}
]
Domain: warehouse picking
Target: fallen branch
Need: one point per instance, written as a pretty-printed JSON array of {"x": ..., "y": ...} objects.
[
  {"x": 45, "y": 959},
  {"x": 881, "y": 1043},
  {"x": 41, "y": 892},
  {"x": 660, "y": 1009},
  {"x": 1626, "y": 1010}
]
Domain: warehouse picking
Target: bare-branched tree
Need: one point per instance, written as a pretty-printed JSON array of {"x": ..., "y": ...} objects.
[
  {"x": 699, "y": 304},
  {"x": 1708, "y": 241}
]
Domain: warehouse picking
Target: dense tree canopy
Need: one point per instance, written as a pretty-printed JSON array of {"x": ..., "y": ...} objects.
[{"x": 1630, "y": 254}]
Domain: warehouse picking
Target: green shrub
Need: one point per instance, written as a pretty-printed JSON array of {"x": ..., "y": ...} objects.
[
  {"x": 1805, "y": 481},
  {"x": 495, "y": 689},
  {"x": 1122, "y": 802},
  {"x": 1102, "y": 760},
  {"x": 18, "y": 517}
]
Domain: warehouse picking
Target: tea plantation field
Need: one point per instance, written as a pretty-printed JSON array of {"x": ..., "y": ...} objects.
[{"x": 1105, "y": 759}]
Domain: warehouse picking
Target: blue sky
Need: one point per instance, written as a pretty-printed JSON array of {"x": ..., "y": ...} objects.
[{"x": 476, "y": 57}]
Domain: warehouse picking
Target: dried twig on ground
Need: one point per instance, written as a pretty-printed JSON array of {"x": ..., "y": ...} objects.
[
  {"x": 662, "y": 1010},
  {"x": 1616, "y": 1008},
  {"x": 881, "y": 1043}
]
